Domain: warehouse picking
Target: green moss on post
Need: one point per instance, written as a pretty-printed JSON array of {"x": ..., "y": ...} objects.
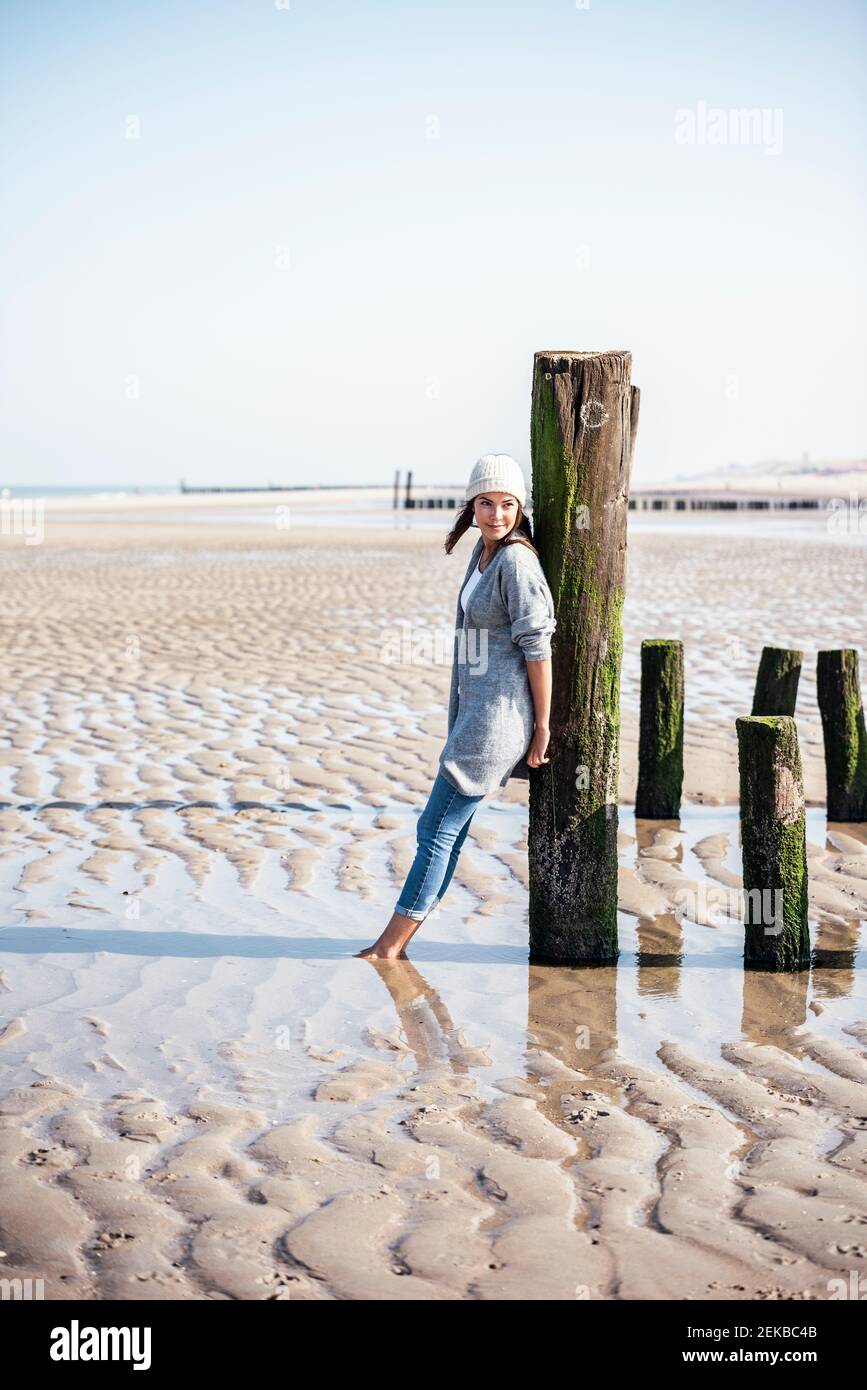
[
  {"x": 777, "y": 681},
  {"x": 583, "y": 426},
  {"x": 839, "y": 694},
  {"x": 660, "y": 736},
  {"x": 774, "y": 843}
]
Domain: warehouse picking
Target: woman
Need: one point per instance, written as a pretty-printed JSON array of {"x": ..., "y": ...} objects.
[{"x": 500, "y": 697}]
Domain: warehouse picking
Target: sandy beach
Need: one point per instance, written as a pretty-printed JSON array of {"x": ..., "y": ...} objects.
[{"x": 220, "y": 723}]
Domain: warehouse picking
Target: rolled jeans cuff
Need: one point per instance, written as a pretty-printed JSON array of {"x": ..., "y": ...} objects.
[{"x": 415, "y": 916}]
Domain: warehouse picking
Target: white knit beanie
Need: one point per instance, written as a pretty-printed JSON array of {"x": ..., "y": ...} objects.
[{"x": 497, "y": 473}]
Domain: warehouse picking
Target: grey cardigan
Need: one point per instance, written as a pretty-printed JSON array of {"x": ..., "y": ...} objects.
[{"x": 508, "y": 622}]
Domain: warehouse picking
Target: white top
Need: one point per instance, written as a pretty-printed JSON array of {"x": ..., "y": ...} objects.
[{"x": 469, "y": 586}]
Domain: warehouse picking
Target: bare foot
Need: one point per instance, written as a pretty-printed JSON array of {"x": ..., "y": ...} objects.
[{"x": 394, "y": 940}]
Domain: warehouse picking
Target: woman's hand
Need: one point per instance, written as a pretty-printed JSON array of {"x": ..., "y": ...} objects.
[
  {"x": 539, "y": 675},
  {"x": 538, "y": 744}
]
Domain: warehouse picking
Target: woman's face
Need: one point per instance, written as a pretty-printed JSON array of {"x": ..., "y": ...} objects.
[{"x": 495, "y": 513}]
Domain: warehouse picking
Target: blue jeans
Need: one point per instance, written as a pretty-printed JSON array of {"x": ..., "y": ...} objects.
[{"x": 440, "y": 832}]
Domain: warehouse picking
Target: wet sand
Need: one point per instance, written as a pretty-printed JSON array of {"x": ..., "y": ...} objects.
[{"x": 209, "y": 778}]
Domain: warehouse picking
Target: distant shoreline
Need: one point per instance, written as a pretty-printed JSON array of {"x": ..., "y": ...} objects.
[{"x": 809, "y": 491}]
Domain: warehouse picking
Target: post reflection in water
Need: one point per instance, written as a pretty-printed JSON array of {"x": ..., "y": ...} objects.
[
  {"x": 773, "y": 1003},
  {"x": 572, "y": 1013},
  {"x": 834, "y": 948},
  {"x": 660, "y": 937}
]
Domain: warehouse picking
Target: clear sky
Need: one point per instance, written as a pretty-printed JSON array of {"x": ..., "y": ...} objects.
[{"x": 345, "y": 227}]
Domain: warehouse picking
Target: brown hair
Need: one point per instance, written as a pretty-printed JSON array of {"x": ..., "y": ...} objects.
[{"x": 520, "y": 534}]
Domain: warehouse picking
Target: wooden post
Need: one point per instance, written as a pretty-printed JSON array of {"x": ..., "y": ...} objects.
[
  {"x": 777, "y": 681},
  {"x": 395, "y": 502},
  {"x": 408, "y": 500},
  {"x": 660, "y": 736},
  {"x": 773, "y": 838},
  {"x": 583, "y": 426},
  {"x": 839, "y": 695}
]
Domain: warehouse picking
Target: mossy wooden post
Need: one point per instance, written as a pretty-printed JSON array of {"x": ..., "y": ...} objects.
[
  {"x": 660, "y": 730},
  {"x": 583, "y": 426},
  {"x": 777, "y": 681},
  {"x": 839, "y": 695},
  {"x": 774, "y": 843}
]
